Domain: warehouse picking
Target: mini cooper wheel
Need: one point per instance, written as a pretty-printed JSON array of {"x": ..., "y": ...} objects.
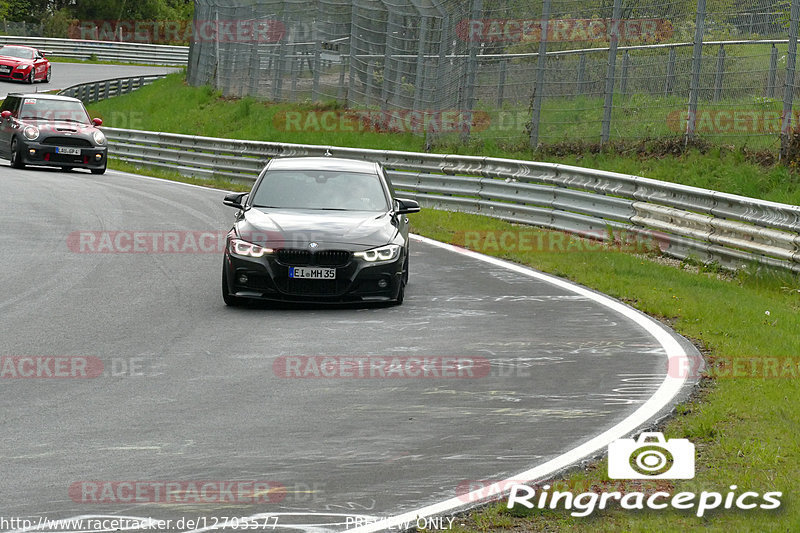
[{"x": 16, "y": 154}]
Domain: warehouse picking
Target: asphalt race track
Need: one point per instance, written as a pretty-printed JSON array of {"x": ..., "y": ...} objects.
[
  {"x": 69, "y": 74},
  {"x": 188, "y": 391}
]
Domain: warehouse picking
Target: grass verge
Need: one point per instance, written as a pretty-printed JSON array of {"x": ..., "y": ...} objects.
[{"x": 170, "y": 106}]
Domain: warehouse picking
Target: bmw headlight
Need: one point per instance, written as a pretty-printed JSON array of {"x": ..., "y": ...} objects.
[
  {"x": 247, "y": 249},
  {"x": 384, "y": 253},
  {"x": 31, "y": 133},
  {"x": 99, "y": 137}
]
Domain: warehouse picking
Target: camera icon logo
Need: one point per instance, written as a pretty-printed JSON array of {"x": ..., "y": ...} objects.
[{"x": 651, "y": 457}]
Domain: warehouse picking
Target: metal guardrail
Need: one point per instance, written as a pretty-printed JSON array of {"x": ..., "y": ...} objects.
[
  {"x": 106, "y": 50},
  {"x": 690, "y": 222},
  {"x": 100, "y": 90}
]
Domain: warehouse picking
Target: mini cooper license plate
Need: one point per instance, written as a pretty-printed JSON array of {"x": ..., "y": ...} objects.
[
  {"x": 66, "y": 150},
  {"x": 312, "y": 273}
]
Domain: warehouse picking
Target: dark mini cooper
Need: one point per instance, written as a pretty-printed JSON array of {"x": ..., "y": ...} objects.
[
  {"x": 318, "y": 229},
  {"x": 49, "y": 130}
]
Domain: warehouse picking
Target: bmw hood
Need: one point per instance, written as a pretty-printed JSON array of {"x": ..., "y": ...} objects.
[{"x": 278, "y": 228}]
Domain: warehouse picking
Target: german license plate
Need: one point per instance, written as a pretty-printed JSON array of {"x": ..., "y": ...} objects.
[
  {"x": 67, "y": 150},
  {"x": 312, "y": 273},
  {"x": 5, "y": 69}
]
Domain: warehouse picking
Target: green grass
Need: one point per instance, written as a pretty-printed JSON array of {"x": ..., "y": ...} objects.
[
  {"x": 170, "y": 106},
  {"x": 744, "y": 429}
]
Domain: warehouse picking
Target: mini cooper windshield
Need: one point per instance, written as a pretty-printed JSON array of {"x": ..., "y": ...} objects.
[
  {"x": 327, "y": 190},
  {"x": 54, "y": 111}
]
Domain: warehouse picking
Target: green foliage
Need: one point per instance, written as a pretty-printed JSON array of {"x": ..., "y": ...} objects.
[{"x": 55, "y": 12}]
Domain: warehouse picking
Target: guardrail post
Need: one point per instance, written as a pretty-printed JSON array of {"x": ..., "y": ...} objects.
[
  {"x": 669, "y": 83},
  {"x": 581, "y": 74},
  {"x": 501, "y": 83},
  {"x": 788, "y": 93},
  {"x": 541, "y": 63},
  {"x": 719, "y": 73},
  {"x": 612, "y": 63},
  {"x": 697, "y": 63}
]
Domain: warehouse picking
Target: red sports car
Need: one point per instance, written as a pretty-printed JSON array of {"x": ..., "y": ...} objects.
[{"x": 23, "y": 63}]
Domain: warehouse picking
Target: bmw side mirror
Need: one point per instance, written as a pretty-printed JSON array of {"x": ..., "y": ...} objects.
[
  {"x": 236, "y": 199},
  {"x": 97, "y": 122},
  {"x": 406, "y": 206}
]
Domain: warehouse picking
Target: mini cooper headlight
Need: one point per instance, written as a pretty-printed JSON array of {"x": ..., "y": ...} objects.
[
  {"x": 31, "y": 133},
  {"x": 247, "y": 249},
  {"x": 384, "y": 253},
  {"x": 99, "y": 137}
]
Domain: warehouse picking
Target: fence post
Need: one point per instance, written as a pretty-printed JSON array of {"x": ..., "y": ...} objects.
[
  {"x": 623, "y": 83},
  {"x": 501, "y": 83},
  {"x": 541, "y": 62},
  {"x": 719, "y": 74},
  {"x": 419, "y": 84},
  {"x": 773, "y": 69},
  {"x": 697, "y": 60},
  {"x": 669, "y": 83},
  {"x": 317, "y": 67},
  {"x": 369, "y": 89},
  {"x": 352, "y": 64},
  {"x": 612, "y": 63},
  {"x": 788, "y": 93},
  {"x": 581, "y": 74},
  {"x": 471, "y": 74}
]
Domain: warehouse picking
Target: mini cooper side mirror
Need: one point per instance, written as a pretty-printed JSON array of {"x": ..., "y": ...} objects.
[
  {"x": 406, "y": 206},
  {"x": 97, "y": 122},
  {"x": 236, "y": 199},
  {"x": 5, "y": 114}
]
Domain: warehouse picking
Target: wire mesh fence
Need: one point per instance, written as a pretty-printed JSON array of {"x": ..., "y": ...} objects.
[{"x": 512, "y": 72}]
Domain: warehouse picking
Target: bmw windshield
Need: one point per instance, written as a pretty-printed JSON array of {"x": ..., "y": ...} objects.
[{"x": 325, "y": 190}]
